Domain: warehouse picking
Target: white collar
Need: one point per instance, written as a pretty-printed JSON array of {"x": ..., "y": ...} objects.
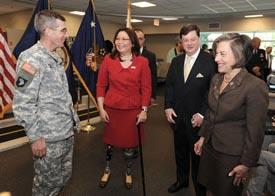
[
  {"x": 195, "y": 55},
  {"x": 141, "y": 50}
]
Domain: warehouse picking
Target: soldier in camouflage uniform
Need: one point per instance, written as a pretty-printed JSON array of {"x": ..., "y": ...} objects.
[{"x": 43, "y": 105}]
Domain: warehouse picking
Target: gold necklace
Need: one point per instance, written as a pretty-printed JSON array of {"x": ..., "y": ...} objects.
[
  {"x": 226, "y": 80},
  {"x": 231, "y": 74}
]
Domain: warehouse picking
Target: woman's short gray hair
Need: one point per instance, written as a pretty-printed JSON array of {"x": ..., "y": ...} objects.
[{"x": 240, "y": 46}]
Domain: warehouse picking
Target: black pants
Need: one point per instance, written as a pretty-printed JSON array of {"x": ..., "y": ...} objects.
[{"x": 184, "y": 139}]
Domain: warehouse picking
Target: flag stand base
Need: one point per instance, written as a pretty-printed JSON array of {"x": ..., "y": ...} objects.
[{"x": 88, "y": 128}]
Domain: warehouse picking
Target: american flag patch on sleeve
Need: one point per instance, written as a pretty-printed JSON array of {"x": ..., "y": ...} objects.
[{"x": 29, "y": 68}]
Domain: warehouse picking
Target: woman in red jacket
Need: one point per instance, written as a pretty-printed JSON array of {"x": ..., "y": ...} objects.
[{"x": 123, "y": 95}]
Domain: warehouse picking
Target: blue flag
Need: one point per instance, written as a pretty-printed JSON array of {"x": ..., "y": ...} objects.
[
  {"x": 30, "y": 36},
  {"x": 68, "y": 66},
  {"x": 89, "y": 33}
]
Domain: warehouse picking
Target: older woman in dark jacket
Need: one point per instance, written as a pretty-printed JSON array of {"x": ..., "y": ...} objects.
[{"x": 233, "y": 129}]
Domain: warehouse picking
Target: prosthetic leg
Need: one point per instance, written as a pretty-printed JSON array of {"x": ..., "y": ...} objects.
[
  {"x": 107, "y": 171},
  {"x": 130, "y": 154}
]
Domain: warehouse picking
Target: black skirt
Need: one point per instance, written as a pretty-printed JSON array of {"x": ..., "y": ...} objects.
[{"x": 214, "y": 169}]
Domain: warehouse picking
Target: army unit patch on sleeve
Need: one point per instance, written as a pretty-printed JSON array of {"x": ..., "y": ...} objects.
[
  {"x": 24, "y": 76},
  {"x": 20, "y": 82}
]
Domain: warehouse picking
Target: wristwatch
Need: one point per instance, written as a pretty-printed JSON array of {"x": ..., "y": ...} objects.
[{"x": 144, "y": 109}]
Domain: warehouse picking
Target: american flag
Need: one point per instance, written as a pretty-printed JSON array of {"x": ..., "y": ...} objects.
[{"x": 7, "y": 76}]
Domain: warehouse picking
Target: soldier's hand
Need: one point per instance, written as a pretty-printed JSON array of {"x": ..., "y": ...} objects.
[{"x": 39, "y": 147}]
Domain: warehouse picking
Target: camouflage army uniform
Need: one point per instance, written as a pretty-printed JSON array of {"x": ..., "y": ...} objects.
[{"x": 43, "y": 105}]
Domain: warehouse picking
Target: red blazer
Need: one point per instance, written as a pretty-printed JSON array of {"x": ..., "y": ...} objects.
[{"x": 124, "y": 88}]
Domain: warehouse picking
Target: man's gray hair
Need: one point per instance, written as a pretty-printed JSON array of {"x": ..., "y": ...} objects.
[{"x": 46, "y": 18}]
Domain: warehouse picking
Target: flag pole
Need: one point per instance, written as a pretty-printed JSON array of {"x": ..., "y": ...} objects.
[
  {"x": 94, "y": 65},
  {"x": 129, "y": 25},
  {"x": 49, "y": 4},
  {"x": 129, "y": 16},
  {"x": 88, "y": 127}
]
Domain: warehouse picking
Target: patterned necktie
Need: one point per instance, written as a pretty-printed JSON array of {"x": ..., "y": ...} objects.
[{"x": 187, "y": 67}]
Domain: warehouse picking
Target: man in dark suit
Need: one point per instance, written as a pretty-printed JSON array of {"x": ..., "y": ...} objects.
[
  {"x": 269, "y": 58},
  {"x": 151, "y": 57},
  {"x": 187, "y": 85},
  {"x": 258, "y": 63}
]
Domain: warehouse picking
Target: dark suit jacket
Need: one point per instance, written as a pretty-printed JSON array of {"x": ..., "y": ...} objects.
[
  {"x": 190, "y": 97},
  {"x": 153, "y": 67},
  {"x": 257, "y": 59},
  {"x": 236, "y": 118}
]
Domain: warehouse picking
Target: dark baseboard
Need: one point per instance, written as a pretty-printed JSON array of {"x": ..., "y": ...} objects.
[{"x": 16, "y": 131}]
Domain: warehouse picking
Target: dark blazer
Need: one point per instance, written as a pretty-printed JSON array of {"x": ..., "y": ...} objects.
[
  {"x": 235, "y": 120},
  {"x": 257, "y": 59},
  {"x": 151, "y": 57},
  {"x": 190, "y": 97}
]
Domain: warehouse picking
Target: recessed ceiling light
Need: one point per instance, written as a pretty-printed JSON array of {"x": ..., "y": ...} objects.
[
  {"x": 77, "y": 13},
  {"x": 170, "y": 18},
  {"x": 143, "y": 4},
  {"x": 136, "y": 20},
  {"x": 254, "y": 16}
]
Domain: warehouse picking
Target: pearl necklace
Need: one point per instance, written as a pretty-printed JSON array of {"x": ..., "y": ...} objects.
[{"x": 126, "y": 58}]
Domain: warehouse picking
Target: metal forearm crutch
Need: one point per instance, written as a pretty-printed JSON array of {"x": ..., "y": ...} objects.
[{"x": 141, "y": 160}]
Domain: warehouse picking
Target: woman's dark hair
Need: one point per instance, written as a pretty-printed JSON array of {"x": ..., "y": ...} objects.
[
  {"x": 108, "y": 46},
  {"x": 133, "y": 38},
  {"x": 240, "y": 46}
]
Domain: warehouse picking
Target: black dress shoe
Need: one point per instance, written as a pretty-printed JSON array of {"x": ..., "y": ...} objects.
[{"x": 177, "y": 186}]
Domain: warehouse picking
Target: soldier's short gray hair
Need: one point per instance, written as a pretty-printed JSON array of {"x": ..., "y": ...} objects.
[{"x": 46, "y": 18}]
